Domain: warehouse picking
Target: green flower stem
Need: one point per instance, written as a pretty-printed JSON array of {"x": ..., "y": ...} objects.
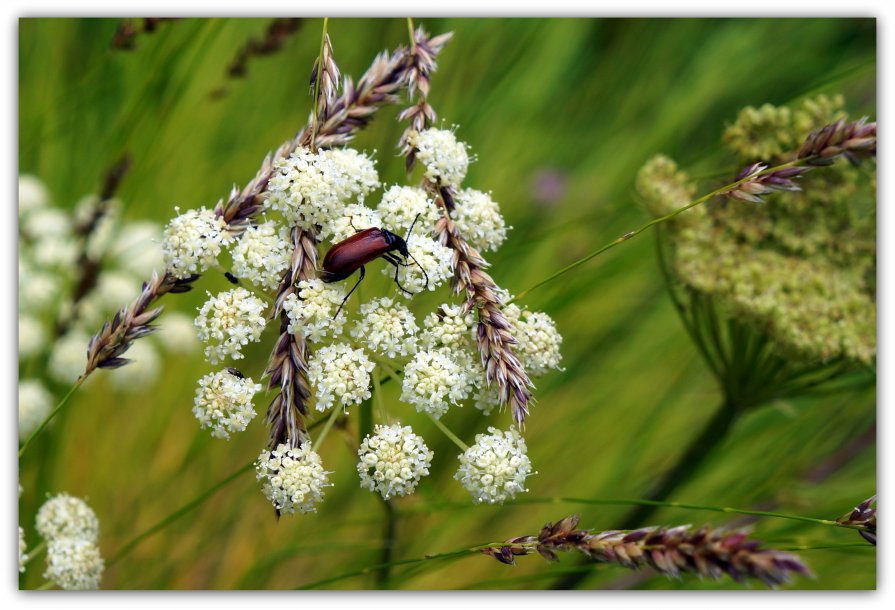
[
  {"x": 656, "y": 221},
  {"x": 46, "y": 586},
  {"x": 447, "y": 432},
  {"x": 53, "y": 414},
  {"x": 377, "y": 396},
  {"x": 36, "y": 551},
  {"x": 333, "y": 416}
]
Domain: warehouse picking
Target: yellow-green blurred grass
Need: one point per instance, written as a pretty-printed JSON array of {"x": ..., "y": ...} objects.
[{"x": 590, "y": 98}]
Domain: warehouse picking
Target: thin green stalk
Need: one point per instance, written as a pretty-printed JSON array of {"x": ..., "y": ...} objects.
[
  {"x": 326, "y": 428},
  {"x": 656, "y": 221},
  {"x": 410, "y": 33},
  {"x": 184, "y": 510},
  {"x": 36, "y": 551},
  {"x": 389, "y": 542},
  {"x": 53, "y": 414},
  {"x": 46, "y": 586},
  {"x": 377, "y": 394},
  {"x": 447, "y": 432}
]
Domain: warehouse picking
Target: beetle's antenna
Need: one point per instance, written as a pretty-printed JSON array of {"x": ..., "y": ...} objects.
[
  {"x": 410, "y": 230},
  {"x": 363, "y": 272},
  {"x": 425, "y": 275}
]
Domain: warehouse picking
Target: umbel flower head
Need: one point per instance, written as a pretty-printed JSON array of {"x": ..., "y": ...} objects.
[
  {"x": 539, "y": 341},
  {"x": 400, "y": 205},
  {"x": 800, "y": 267},
  {"x": 64, "y": 516},
  {"x": 450, "y": 326},
  {"x": 224, "y": 402},
  {"x": 393, "y": 460},
  {"x": 312, "y": 311},
  {"x": 355, "y": 217},
  {"x": 386, "y": 327},
  {"x": 293, "y": 479},
  {"x": 262, "y": 254},
  {"x": 479, "y": 220},
  {"x": 340, "y": 375},
  {"x": 229, "y": 321},
  {"x": 494, "y": 469},
  {"x": 74, "y": 564},
  {"x": 312, "y": 189},
  {"x": 434, "y": 380},
  {"x": 443, "y": 156},
  {"x": 193, "y": 240}
]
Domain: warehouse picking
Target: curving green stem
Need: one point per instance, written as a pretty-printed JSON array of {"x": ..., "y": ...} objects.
[{"x": 52, "y": 414}]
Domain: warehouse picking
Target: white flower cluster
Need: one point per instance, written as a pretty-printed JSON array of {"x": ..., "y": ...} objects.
[
  {"x": 224, "y": 402},
  {"x": 479, "y": 220},
  {"x": 539, "y": 341},
  {"x": 451, "y": 326},
  {"x": 434, "y": 380},
  {"x": 340, "y": 375},
  {"x": 65, "y": 516},
  {"x": 193, "y": 240},
  {"x": 312, "y": 311},
  {"x": 495, "y": 468},
  {"x": 313, "y": 189},
  {"x": 444, "y": 157},
  {"x": 71, "y": 530},
  {"x": 229, "y": 321},
  {"x": 293, "y": 479},
  {"x": 393, "y": 460},
  {"x": 262, "y": 255},
  {"x": 400, "y": 205},
  {"x": 35, "y": 403},
  {"x": 386, "y": 327},
  {"x": 74, "y": 564}
]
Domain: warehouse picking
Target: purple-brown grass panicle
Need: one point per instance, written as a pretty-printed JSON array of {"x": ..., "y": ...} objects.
[
  {"x": 674, "y": 551},
  {"x": 864, "y": 514},
  {"x": 757, "y": 184},
  {"x": 854, "y": 141}
]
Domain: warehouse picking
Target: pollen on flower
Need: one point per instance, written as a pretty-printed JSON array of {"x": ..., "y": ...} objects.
[
  {"x": 262, "y": 255},
  {"x": 350, "y": 173},
  {"x": 229, "y": 321},
  {"x": 445, "y": 159},
  {"x": 340, "y": 376},
  {"x": 311, "y": 311},
  {"x": 224, "y": 403},
  {"x": 400, "y": 205},
  {"x": 393, "y": 460},
  {"x": 355, "y": 217},
  {"x": 292, "y": 479},
  {"x": 479, "y": 220},
  {"x": 193, "y": 240},
  {"x": 386, "y": 327},
  {"x": 494, "y": 469},
  {"x": 437, "y": 260},
  {"x": 74, "y": 564},
  {"x": 65, "y": 516},
  {"x": 434, "y": 380}
]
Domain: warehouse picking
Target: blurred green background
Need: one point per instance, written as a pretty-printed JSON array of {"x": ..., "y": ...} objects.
[{"x": 561, "y": 114}]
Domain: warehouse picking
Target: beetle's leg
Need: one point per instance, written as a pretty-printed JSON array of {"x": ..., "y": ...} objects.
[
  {"x": 394, "y": 260},
  {"x": 363, "y": 272}
]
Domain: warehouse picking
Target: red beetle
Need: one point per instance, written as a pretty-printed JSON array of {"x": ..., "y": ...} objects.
[{"x": 351, "y": 254}]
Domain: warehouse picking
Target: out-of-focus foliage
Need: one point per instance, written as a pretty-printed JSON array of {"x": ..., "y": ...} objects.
[{"x": 561, "y": 114}]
